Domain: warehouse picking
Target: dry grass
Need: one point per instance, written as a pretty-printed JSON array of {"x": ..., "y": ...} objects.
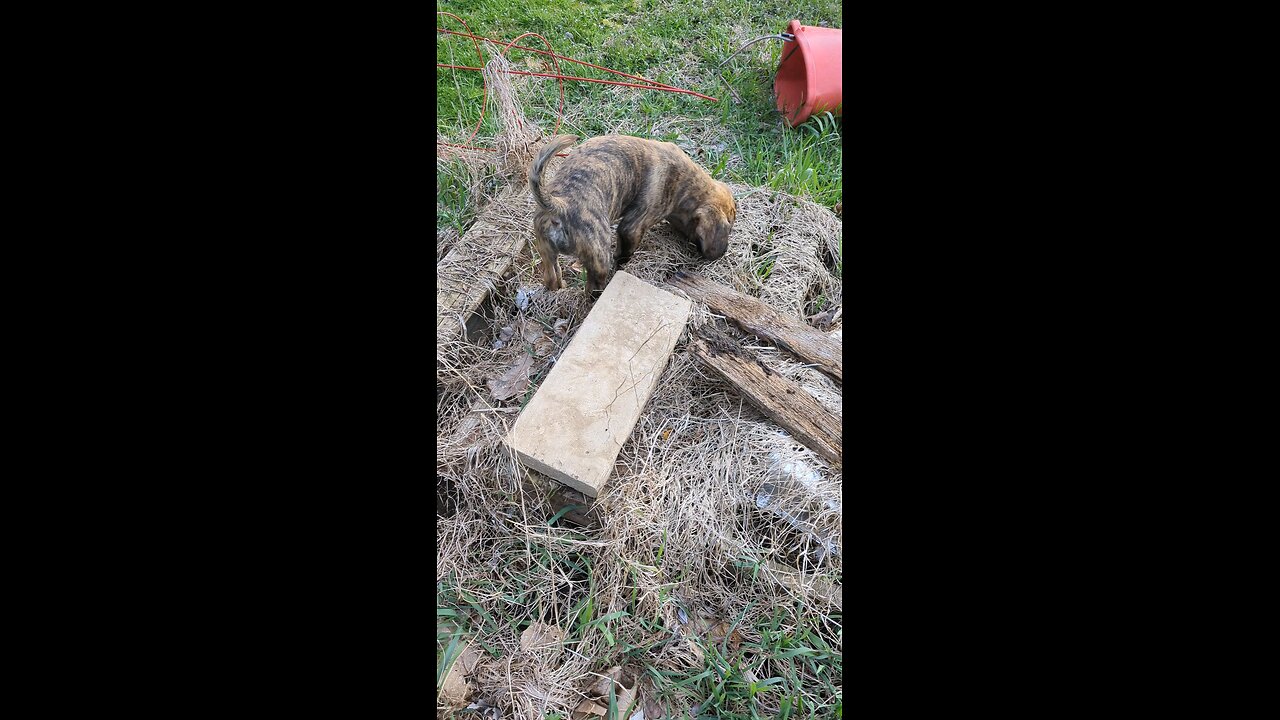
[{"x": 707, "y": 501}]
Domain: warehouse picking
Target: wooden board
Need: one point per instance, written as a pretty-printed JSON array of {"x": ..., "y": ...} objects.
[
  {"x": 480, "y": 258},
  {"x": 781, "y": 399},
  {"x": 757, "y": 318},
  {"x": 586, "y": 408}
]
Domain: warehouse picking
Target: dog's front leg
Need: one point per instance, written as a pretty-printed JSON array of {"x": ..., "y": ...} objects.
[
  {"x": 551, "y": 277},
  {"x": 598, "y": 263}
]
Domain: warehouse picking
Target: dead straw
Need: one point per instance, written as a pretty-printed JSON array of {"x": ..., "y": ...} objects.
[{"x": 700, "y": 480}]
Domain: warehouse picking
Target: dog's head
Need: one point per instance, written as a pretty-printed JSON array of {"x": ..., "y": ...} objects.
[
  {"x": 713, "y": 222},
  {"x": 549, "y": 225}
]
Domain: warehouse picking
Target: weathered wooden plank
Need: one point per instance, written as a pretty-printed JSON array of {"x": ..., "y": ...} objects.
[
  {"x": 480, "y": 259},
  {"x": 575, "y": 424},
  {"x": 759, "y": 319},
  {"x": 779, "y": 398}
]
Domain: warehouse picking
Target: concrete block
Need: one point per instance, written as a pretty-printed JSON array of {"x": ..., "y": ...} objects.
[{"x": 586, "y": 408}]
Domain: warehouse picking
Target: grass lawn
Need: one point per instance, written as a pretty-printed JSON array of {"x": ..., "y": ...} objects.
[
  {"x": 677, "y": 42},
  {"x": 788, "y": 665}
]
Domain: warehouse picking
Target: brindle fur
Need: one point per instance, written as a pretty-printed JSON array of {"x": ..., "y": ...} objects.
[{"x": 633, "y": 181}]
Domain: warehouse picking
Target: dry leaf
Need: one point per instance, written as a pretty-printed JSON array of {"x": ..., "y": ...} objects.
[
  {"x": 721, "y": 630},
  {"x": 714, "y": 630},
  {"x": 601, "y": 686},
  {"x": 532, "y": 332},
  {"x": 617, "y": 678},
  {"x": 539, "y": 635},
  {"x": 504, "y": 336},
  {"x": 626, "y": 696},
  {"x": 468, "y": 659},
  {"x": 589, "y": 709},
  {"x": 561, "y": 326},
  {"x": 653, "y": 709},
  {"x": 454, "y": 689},
  {"x": 514, "y": 381}
]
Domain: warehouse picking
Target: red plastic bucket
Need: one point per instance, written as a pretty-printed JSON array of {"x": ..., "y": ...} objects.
[{"x": 810, "y": 75}]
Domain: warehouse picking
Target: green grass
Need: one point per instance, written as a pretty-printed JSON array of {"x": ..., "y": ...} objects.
[
  {"x": 456, "y": 185},
  {"x": 777, "y": 675},
  {"x": 679, "y": 42}
]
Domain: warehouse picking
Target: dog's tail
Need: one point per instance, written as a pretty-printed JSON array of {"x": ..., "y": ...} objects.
[{"x": 555, "y": 145}]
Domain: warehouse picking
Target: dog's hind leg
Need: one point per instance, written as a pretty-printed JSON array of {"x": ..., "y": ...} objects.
[{"x": 551, "y": 276}]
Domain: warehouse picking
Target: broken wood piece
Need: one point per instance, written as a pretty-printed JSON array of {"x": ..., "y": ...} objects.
[
  {"x": 586, "y": 408},
  {"x": 479, "y": 260},
  {"x": 759, "y": 319},
  {"x": 781, "y": 399}
]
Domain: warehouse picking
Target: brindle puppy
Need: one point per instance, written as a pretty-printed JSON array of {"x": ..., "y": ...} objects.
[{"x": 632, "y": 181}]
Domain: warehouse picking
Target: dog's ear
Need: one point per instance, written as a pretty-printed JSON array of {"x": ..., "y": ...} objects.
[{"x": 711, "y": 230}]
